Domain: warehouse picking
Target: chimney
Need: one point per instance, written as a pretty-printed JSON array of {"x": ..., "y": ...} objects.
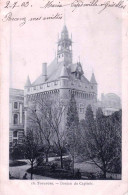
[{"x": 44, "y": 71}]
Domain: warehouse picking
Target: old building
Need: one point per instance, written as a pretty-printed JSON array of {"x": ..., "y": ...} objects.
[
  {"x": 16, "y": 120},
  {"x": 61, "y": 78},
  {"x": 109, "y": 103}
]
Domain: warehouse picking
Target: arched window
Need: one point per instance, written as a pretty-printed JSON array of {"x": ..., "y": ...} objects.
[{"x": 15, "y": 119}]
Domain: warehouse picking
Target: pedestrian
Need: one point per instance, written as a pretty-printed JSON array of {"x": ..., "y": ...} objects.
[{"x": 25, "y": 176}]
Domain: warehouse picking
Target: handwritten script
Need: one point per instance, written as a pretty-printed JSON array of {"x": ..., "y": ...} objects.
[{"x": 11, "y": 16}]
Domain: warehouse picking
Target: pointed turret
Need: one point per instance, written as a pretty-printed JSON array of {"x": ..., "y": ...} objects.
[
  {"x": 93, "y": 87},
  {"x": 65, "y": 29},
  {"x": 28, "y": 82},
  {"x": 64, "y": 73},
  {"x": 64, "y": 33},
  {"x": 64, "y": 51},
  {"x": 93, "y": 80}
]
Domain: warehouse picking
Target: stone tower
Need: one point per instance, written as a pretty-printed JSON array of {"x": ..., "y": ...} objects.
[{"x": 60, "y": 79}]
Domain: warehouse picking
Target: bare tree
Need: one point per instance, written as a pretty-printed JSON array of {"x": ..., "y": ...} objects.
[
  {"x": 46, "y": 116},
  {"x": 31, "y": 146},
  {"x": 101, "y": 139},
  {"x": 55, "y": 118},
  {"x": 39, "y": 119}
]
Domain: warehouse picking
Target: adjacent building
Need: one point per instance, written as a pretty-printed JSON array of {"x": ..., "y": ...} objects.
[
  {"x": 16, "y": 120},
  {"x": 109, "y": 103}
]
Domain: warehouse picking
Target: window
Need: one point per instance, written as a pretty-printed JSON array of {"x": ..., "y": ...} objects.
[
  {"x": 15, "y": 105},
  {"x": 65, "y": 82},
  {"x": 81, "y": 108},
  {"x": 55, "y": 82},
  {"x": 15, "y": 121},
  {"x": 91, "y": 87},
  {"x": 15, "y": 134}
]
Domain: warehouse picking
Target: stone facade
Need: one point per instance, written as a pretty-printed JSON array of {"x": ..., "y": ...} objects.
[
  {"x": 61, "y": 78},
  {"x": 16, "y": 120}
]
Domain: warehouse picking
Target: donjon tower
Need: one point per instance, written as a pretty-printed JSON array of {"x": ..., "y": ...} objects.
[{"x": 61, "y": 78}]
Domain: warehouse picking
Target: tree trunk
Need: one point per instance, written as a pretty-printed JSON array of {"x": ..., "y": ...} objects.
[
  {"x": 31, "y": 170},
  {"x": 46, "y": 157},
  {"x": 73, "y": 165},
  {"x": 104, "y": 174},
  {"x": 104, "y": 170},
  {"x": 61, "y": 159}
]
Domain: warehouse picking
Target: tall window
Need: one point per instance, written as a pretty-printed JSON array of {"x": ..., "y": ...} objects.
[
  {"x": 15, "y": 120},
  {"x": 15, "y": 105},
  {"x": 81, "y": 109},
  {"x": 15, "y": 134},
  {"x": 55, "y": 82},
  {"x": 48, "y": 84}
]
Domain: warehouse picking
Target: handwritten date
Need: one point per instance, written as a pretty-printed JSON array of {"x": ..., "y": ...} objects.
[{"x": 16, "y": 4}]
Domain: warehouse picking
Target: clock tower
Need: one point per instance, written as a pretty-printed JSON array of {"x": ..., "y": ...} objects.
[{"x": 64, "y": 50}]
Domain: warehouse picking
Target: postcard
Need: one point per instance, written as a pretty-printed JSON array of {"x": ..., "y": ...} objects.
[{"x": 64, "y": 97}]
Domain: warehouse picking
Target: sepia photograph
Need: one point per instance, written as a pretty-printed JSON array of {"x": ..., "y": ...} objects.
[{"x": 65, "y": 90}]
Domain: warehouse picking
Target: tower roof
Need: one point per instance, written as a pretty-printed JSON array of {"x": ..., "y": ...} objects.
[
  {"x": 64, "y": 72},
  {"x": 93, "y": 80},
  {"x": 28, "y": 82},
  {"x": 64, "y": 33},
  {"x": 65, "y": 29}
]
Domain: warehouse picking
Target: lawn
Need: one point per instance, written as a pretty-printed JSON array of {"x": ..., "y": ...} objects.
[
  {"x": 87, "y": 170},
  {"x": 16, "y": 163}
]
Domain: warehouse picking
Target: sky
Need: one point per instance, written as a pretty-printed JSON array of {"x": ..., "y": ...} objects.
[{"x": 96, "y": 41}]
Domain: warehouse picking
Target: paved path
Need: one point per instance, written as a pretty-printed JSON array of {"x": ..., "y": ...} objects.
[{"x": 19, "y": 171}]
